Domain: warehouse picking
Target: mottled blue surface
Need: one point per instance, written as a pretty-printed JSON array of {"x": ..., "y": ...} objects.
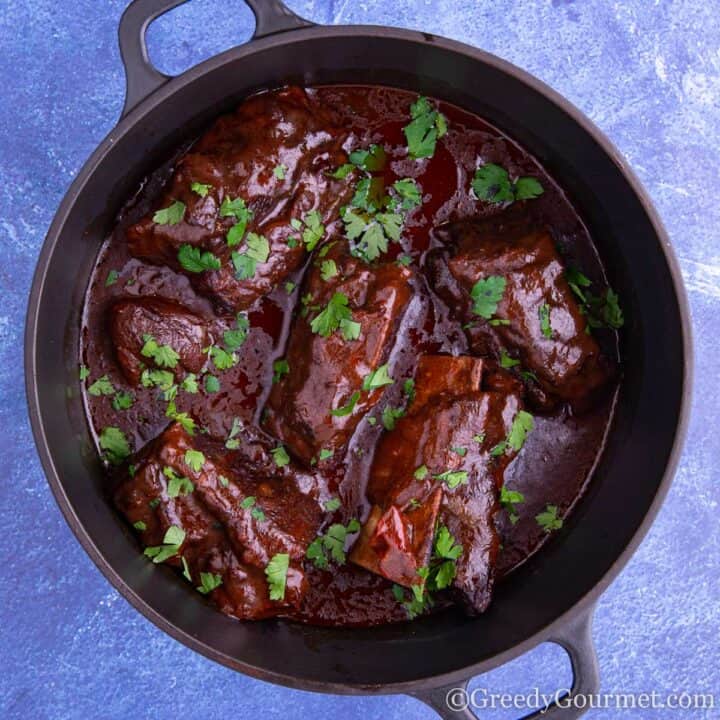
[{"x": 647, "y": 72}]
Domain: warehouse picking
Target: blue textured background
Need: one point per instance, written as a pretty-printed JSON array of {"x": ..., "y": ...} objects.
[{"x": 648, "y": 73}]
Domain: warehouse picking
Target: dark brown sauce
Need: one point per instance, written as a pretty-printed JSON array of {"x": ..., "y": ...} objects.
[{"x": 559, "y": 455}]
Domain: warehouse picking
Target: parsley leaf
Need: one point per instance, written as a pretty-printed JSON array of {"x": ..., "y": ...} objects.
[
  {"x": 328, "y": 269},
  {"x": 200, "y": 189},
  {"x": 421, "y": 473},
  {"x": 390, "y": 415},
  {"x": 506, "y": 361},
  {"x": 114, "y": 443},
  {"x": 194, "y": 459},
  {"x": 522, "y": 425},
  {"x": 209, "y": 581},
  {"x": 332, "y": 504},
  {"x": 212, "y": 384},
  {"x": 377, "y": 378},
  {"x": 549, "y": 519},
  {"x": 222, "y": 359},
  {"x": 373, "y": 159},
  {"x": 279, "y": 171},
  {"x": 276, "y": 574},
  {"x": 314, "y": 230},
  {"x": 348, "y": 408},
  {"x": 425, "y": 129},
  {"x": 509, "y": 499},
  {"x": 544, "y": 315},
  {"x": 235, "y": 337},
  {"x": 280, "y": 368},
  {"x": 189, "y": 383},
  {"x": 343, "y": 171},
  {"x": 492, "y": 184},
  {"x": 177, "y": 485},
  {"x": 194, "y": 260},
  {"x": 232, "y": 442},
  {"x": 163, "y": 355},
  {"x": 409, "y": 193},
  {"x": 112, "y": 278},
  {"x": 171, "y": 215},
  {"x": 173, "y": 539},
  {"x": 336, "y": 315},
  {"x": 486, "y": 294},
  {"x": 331, "y": 545},
  {"x": 102, "y": 386},
  {"x": 84, "y": 373},
  {"x": 257, "y": 251},
  {"x": 453, "y": 478},
  {"x": 122, "y": 400},
  {"x": 140, "y": 525},
  {"x": 280, "y": 456}
]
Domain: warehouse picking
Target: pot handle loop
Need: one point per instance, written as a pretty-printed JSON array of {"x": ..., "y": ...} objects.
[
  {"x": 142, "y": 79},
  {"x": 454, "y": 702}
]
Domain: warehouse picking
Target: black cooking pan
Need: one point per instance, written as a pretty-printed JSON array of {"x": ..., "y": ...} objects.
[{"x": 552, "y": 597}]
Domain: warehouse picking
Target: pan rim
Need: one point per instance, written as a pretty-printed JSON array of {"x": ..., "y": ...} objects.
[{"x": 586, "y": 603}]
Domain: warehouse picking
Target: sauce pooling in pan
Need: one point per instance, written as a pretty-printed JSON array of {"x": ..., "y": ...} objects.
[{"x": 350, "y": 358}]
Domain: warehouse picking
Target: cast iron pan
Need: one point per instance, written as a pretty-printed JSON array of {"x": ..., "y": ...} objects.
[{"x": 551, "y": 598}]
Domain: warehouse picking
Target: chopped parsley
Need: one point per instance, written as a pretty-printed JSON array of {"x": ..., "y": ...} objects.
[
  {"x": 332, "y": 504},
  {"x": 163, "y": 355},
  {"x": 210, "y": 581},
  {"x": 194, "y": 459},
  {"x": 212, "y": 384},
  {"x": 222, "y": 359},
  {"x": 257, "y": 251},
  {"x": 347, "y": 408},
  {"x": 492, "y": 184},
  {"x": 279, "y": 171},
  {"x": 112, "y": 278},
  {"x": 102, "y": 386},
  {"x": 507, "y": 362},
  {"x": 509, "y": 499},
  {"x": 140, "y": 525},
  {"x": 549, "y": 519},
  {"x": 425, "y": 129},
  {"x": 200, "y": 189},
  {"x": 486, "y": 294},
  {"x": 177, "y": 485},
  {"x": 522, "y": 425},
  {"x": 331, "y": 545},
  {"x": 280, "y": 369},
  {"x": 328, "y": 269},
  {"x": 114, "y": 443},
  {"x": 173, "y": 539},
  {"x": 171, "y": 215},
  {"x": 189, "y": 383},
  {"x": 84, "y": 373},
  {"x": 421, "y": 473},
  {"x": 461, "y": 451},
  {"x": 390, "y": 416},
  {"x": 232, "y": 442},
  {"x": 280, "y": 456},
  {"x": 373, "y": 159},
  {"x": 325, "y": 454},
  {"x": 122, "y": 400},
  {"x": 314, "y": 230},
  {"x": 377, "y": 378},
  {"x": 336, "y": 316},
  {"x": 453, "y": 478},
  {"x": 276, "y": 574},
  {"x": 544, "y": 315},
  {"x": 194, "y": 260},
  {"x": 234, "y": 338}
]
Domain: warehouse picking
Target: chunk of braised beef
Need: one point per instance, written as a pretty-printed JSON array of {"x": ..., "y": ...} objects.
[
  {"x": 135, "y": 323},
  {"x": 537, "y": 325},
  {"x": 275, "y": 153},
  {"x": 237, "y": 510},
  {"x": 440, "y": 467},
  {"x": 319, "y": 402}
]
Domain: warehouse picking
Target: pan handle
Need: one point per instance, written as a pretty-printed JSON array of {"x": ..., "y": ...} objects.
[
  {"x": 142, "y": 79},
  {"x": 453, "y": 702}
]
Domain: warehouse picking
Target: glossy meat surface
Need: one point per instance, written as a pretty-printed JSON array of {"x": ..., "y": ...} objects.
[
  {"x": 223, "y": 535},
  {"x": 275, "y": 153},
  {"x": 327, "y": 373},
  {"x": 452, "y": 427},
  {"x": 133, "y": 322},
  {"x": 563, "y": 357}
]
